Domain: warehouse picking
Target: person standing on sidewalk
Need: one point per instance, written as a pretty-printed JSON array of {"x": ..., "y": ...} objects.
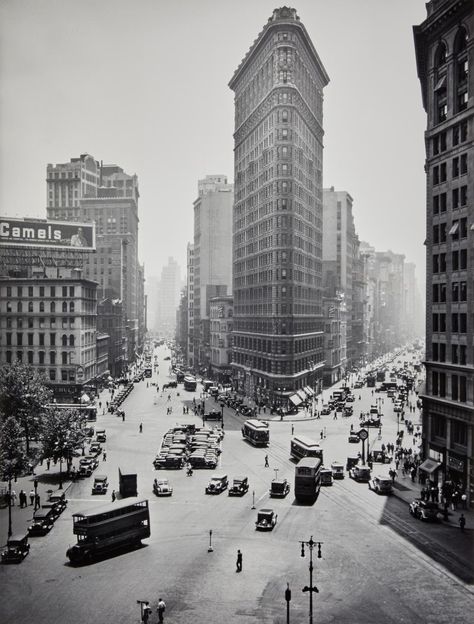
[
  {"x": 239, "y": 561},
  {"x": 37, "y": 502},
  {"x": 267, "y": 465},
  {"x": 462, "y": 522},
  {"x": 32, "y": 497},
  {"x": 161, "y": 610}
]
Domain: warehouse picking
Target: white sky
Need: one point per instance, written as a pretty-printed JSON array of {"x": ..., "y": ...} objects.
[{"x": 143, "y": 84}]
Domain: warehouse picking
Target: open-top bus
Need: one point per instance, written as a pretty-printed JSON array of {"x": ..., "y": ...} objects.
[
  {"x": 302, "y": 446},
  {"x": 104, "y": 529},
  {"x": 307, "y": 479},
  {"x": 190, "y": 383},
  {"x": 256, "y": 432}
]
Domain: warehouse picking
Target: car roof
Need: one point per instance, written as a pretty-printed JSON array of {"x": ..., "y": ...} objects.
[
  {"x": 100, "y": 477},
  {"x": 265, "y": 511}
]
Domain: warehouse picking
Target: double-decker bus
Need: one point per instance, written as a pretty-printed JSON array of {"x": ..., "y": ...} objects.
[
  {"x": 190, "y": 383},
  {"x": 302, "y": 446},
  {"x": 256, "y": 432},
  {"x": 102, "y": 530},
  {"x": 307, "y": 479}
]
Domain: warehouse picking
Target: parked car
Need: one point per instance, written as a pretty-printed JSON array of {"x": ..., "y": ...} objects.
[
  {"x": 59, "y": 498},
  {"x": 213, "y": 415},
  {"x": 337, "y": 470},
  {"x": 279, "y": 488},
  {"x": 398, "y": 406},
  {"x": 360, "y": 474},
  {"x": 43, "y": 521},
  {"x": 17, "y": 549},
  {"x": 101, "y": 484},
  {"x": 162, "y": 487},
  {"x": 371, "y": 422},
  {"x": 354, "y": 437},
  {"x": 381, "y": 485},
  {"x": 168, "y": 461},
  {"x": 217, "y": 484},
  {"x": 101, "y": 435},
  {"x": 325, "y": 411},
  {"x": 424, "y": 510},
  {"x": 240, "y": 486},
  {"x": 266, "y": 520},
  {"x": 95, "y": 449},
  {"x": 326, "y": 476}
]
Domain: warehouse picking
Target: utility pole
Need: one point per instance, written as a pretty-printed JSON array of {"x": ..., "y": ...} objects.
[{"x": 311, "y": 589}]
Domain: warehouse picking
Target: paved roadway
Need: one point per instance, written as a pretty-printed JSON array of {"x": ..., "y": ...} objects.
[{"x": 378, "y": 565}]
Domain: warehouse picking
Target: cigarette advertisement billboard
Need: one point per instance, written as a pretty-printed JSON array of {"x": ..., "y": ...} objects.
[{"x": 45, "y": 233}]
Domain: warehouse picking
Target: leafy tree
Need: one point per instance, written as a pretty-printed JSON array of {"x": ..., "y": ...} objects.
[
  {"x": 24, "y": 396},
  {"x": 13, "y": 459},
  {"x": 61, "y": 434}
]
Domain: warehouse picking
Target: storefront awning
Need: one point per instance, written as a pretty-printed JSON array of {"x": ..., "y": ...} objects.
[
  {"x": 295, "y": 399},
  {"x": 309, "y": 391},
  {"x": 429, "y": 465},
  {"x": 301, "y": 394}
]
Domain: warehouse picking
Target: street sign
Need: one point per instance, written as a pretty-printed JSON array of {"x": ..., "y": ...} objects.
[{"x": 363, "y": 434}]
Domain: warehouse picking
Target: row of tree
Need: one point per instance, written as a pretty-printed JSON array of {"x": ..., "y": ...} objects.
[{"x": 27, "y": 415}]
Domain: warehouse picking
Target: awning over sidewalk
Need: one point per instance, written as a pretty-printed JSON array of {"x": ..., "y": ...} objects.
[
  {"x": 309, "y": 391},
  {"x": 295, "y": 399},
  {"x": 301, "y": 394},
  {"x": 429, "y": 465}
]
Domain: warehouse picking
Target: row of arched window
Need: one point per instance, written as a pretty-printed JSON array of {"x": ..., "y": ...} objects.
[{"x": 459, "y": 76}]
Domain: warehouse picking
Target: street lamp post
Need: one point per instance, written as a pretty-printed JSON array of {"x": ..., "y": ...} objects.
[{"x": 311, "y": 544}]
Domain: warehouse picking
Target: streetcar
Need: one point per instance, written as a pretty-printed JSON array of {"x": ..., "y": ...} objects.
[
  {"x": 190, "y": 383},
  {"x": 256, "y": 432},
  {"x": 308, "y": 479},
  {"x": 302, "y": 446}
]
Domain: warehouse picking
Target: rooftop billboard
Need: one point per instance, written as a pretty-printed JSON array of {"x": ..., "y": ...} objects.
[{"x": 43, "y": 233}]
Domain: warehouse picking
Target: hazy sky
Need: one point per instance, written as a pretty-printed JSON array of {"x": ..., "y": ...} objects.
[{"x": 143, "y": 84}]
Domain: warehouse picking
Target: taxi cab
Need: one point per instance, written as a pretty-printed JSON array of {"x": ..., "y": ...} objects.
[{"x": 266, "y": 520}]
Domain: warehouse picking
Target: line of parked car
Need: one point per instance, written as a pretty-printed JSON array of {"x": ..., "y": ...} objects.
[
  {"x": 197, "y": 446},
  {"x": 120, "y": 397}
]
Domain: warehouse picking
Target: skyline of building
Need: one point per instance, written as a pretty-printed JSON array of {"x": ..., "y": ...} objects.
[{"x": 277, "y": 236}]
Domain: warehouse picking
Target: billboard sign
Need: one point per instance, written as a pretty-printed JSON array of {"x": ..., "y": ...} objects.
[{"x": 45, "y": 233}]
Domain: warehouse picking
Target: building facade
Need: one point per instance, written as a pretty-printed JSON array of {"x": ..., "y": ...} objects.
[
  {"x": 221, "y": 313},
  {"x": 169, "y": 289},
  {"x": 212, "y": 257},
  {"x": 110, "y": 320},
  {"x": 190, "y": 301},
  {"x": 278, "y": 344},
  {"x": 335, "y": 340},
  {"x": 50, "y": 323},
  {"x": 444, "y": 45}
]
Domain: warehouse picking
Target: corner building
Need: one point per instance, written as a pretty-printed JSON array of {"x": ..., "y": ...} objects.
[
  {"x": 444, "y": 45},
  {"x": 277, "y": 217}
]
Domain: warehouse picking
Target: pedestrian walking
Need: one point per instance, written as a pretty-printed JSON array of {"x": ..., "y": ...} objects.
[
  {"x": 161, "y": 610},
  {"x": 32, "y": 497},
  {"x": 239, "y": 561},
  {"x": 292, "y": 429},
  {"x": 140, "y": 428},
  {"x": 104, "y": 456},
  {"x": 267, "y": 465},
  {"x": 169, "y": 397},
  {"x": 462, "y": 522},
  {"x": 123, "y": 416},
  {"x": 113, "y": 496},
  {"x": 321, "y": 435},
  {"x": 23, "y": 499},
  {"x": 335, "y": 415},
  {"x": 48, "y": 464},
  {"x": 100, "y": 404},
  {"x": 37, "y": 501}
]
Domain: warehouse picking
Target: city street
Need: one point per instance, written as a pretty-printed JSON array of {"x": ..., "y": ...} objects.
[{"x": 378, "y": 564}]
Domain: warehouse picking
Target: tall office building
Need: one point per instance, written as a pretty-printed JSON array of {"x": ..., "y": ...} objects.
[
  {"x": 190, "y": 303},
  {"x": 169, "y": 293},
  {"x": 212, "y": 259},
  {"x": 86, "y": 190},
  {"x": 277, "y": 228},
  {"x": 444, "y": 45}
]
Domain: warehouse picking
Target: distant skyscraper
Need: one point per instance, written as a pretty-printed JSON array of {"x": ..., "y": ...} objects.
[
  {"x": 277, "y": 229},
  {"x": 444, "y": 45},
  {"x": 212, "y": 256},
  {"x": 169, "y": 289}
]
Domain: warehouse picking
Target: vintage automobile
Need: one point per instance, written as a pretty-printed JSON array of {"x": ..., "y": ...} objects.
[
  {"x": 354, "y": 437},
  {"x": 167, "y": 358},
  {"x": 359, "y": 384},
  {"x": 55, "y": 509},
  {"x": 381, "y": 485},
  {"x": 326, "y": 476},
  {"x": 17, "y": 549},
  {"x": 325, "y": 411},
  {"x": 337, "y": 470},
  {"x": 371, "y": 422},
  {"x": 266, "y": 520},
  {"x": 213, "y": 415},
  {"x": 100, "y": 484},
  {"x": 217, "y": 484},
  {"x": 95, "y": 449},
  {"x": 360, "y": 474},
  {"x": 101, "y": 435},
  {"x": 279, "y": 488},
  {"x": 59, "y": 498},
  {"x": 240, "y": 486},
  {"x": 42, "y": 522},
  {"x": 424, "y": 510},
  {"x": 398, "y": 406},
  {"x": 162, "y": 487},
  {"x": 350, "y": 398},
  {"x": 168, "y": 461},
  {"x": 202, "y": 460},
  {"x": 348, "y": 410}
]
